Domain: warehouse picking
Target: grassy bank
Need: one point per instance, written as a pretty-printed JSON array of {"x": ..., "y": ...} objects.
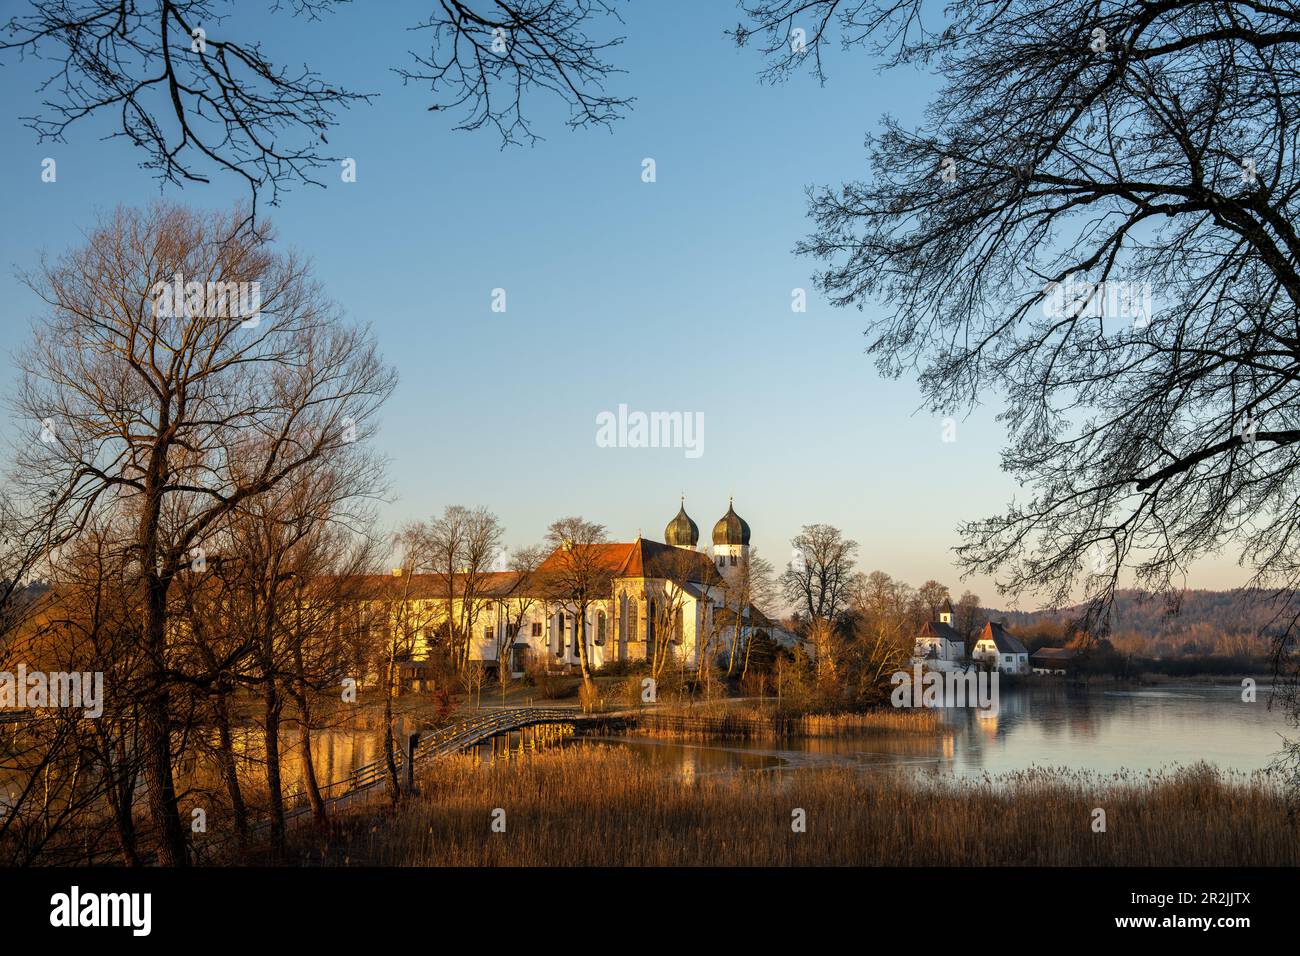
[{"x": 604, "y": 807}]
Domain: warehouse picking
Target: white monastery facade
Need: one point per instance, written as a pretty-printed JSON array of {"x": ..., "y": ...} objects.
[{"x": 669, "y": 599}]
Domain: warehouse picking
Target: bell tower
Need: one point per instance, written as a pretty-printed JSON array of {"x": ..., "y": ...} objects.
[{"x": 730, "y": 543}]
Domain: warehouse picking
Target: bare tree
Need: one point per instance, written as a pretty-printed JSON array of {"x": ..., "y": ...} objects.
[
  {"x": 176, "y": 417},
  {"x": 682, "y": 571},
  {"x": 817, "y": 582},
  {"x": 486, "y": 56},
  {"x": 933, "y": 596},
  {"x": 281, "y": 542},
  {"x": 751, "y": 585},
  {"x": 516, "y": 602},
  {"x": 331, "y": 580},
  {"x": 76, "y": 778},
  {"x": 183, "y": 88},
  {"x": 209, "y": 632},
  {"x": 406, "y": 615},
  {"x": 883, "y": 630},
  {"x": 460, "y": 546},
  {"x": 193, "y": 96},
  {"x": 968, "y": 619},
  {"x": 440, "y": 549},
  {"x": 1095, "y": 220},
  {"x": 482, "y": 546},
  {"x": 1077, "y": 156},
  {"x": 575, "y": 576}
]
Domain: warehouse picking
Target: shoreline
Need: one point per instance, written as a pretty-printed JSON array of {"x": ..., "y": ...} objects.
[{"x": 566, "y": 808}]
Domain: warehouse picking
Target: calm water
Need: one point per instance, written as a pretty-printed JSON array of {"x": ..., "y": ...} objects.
[
  {"x": 1038, "y": 726},
  {"x": 1041, "y": 725}
]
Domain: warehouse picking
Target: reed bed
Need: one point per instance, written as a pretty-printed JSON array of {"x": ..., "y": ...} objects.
[
  {"x": 603, "y": 806},
  {"x": 750, "y": 724}
]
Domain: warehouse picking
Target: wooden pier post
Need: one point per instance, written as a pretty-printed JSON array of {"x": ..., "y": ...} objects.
[{"x": 411, "y": 741}]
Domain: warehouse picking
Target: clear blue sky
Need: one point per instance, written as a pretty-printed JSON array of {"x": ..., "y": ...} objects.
[{"x": 667, "y": 296}]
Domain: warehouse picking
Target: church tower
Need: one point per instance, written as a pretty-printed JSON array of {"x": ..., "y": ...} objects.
[
  {"x": 945, "y": 612},
  {"x": 730, "y": 543},
  {"x": 682, "y": 532}
]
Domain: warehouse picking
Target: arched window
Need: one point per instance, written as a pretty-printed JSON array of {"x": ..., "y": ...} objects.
[
  {"x": 650, "y": 621},
  {"x": 559, "y": 634},
  {"x": 632, "y": 620},
  {"x": 600, "y": 628}
]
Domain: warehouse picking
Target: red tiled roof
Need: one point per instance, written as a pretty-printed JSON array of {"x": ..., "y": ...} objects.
[
  {"x": 488, "y": 584},
  {"x": 640, "y": 558},
  {"x": 643, "y": 559},
  {"x": 1003, "y": 641}
]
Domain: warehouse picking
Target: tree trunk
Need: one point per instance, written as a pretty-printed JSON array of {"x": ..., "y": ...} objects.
[
  {"x": 273, "y": 783},
  {"x": 155, "y": 730},
  {"x": 125, "y": 833},
  {"x": 822, "y": 631},
  {"x": 309, "y": 765},
  {"x": 300, "y": 692},
  {"x": 121, "y": 795},
  {"x": 588, "y": 684},
  {"x": 735, "y": 644},
  {"x": 452, "y": 641},
  {"x": 155, "y": 733},
  {"x": 155, "y": 743},
  {"x": 226, "y": 764},
  {"x": 394, "y": 785}
]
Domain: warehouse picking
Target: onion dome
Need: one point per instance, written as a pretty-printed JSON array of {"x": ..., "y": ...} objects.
[
  {"x": 682, "y": 532},
  {"x": 731, "y": 528}
]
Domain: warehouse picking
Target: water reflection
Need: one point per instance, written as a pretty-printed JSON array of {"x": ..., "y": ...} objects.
[
  {"x": 1040, "y": 725},
  {"x": 336, "y": 753}
]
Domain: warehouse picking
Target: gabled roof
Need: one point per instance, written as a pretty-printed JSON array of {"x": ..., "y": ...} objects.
[
  {"x": 1055, "y": 654},
  {"x": 643, "y": 558},
  {"x": 1004, "y": 642},
  {"x": 726, "y": 617},
  {"x": 423, "y": 587},
  {"x": 640, "y": 558},
  {"x": 941, "y": 630}
]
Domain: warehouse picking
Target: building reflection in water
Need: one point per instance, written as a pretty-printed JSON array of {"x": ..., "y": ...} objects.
[{"x": 1039, "y": 725}]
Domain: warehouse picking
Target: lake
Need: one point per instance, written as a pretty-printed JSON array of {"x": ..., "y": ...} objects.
[{"x": 1040, "y": 725}]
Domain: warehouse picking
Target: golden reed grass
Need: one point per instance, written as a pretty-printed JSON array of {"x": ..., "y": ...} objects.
[
  {"x": 750, "y": 724},
  {"x": 603, "y": 806}
]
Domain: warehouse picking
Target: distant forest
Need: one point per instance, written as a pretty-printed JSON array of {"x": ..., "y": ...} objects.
[{"x": 1218, "y": 630}]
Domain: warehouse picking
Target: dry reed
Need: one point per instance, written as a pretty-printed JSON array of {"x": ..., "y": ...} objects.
[
  {"x": 749, "y": 724},
  {"x": 603, "y": 806}
]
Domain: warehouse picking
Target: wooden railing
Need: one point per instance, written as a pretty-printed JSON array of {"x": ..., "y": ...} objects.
[{"x": 454, "y": 738}]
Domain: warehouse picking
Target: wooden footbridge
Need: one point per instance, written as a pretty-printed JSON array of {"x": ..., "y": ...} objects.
[
  {"x": 372, "y": 780},
  {"x": 462, "y": 735}
]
